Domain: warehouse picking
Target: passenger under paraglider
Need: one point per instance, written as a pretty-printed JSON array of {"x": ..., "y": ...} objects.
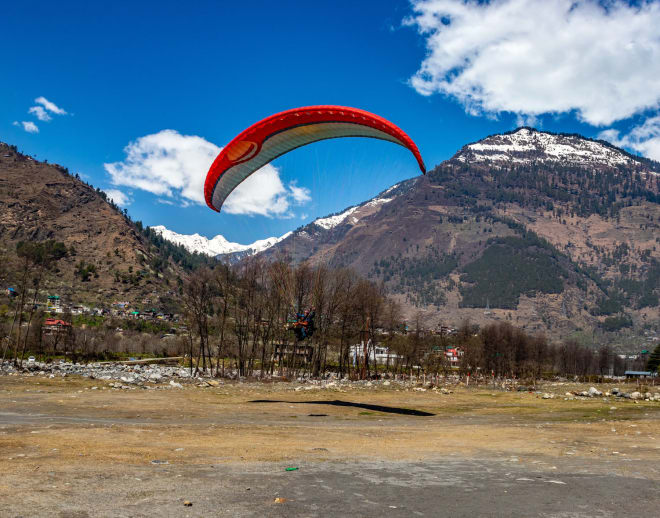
[{"x": 304, "y": 325}]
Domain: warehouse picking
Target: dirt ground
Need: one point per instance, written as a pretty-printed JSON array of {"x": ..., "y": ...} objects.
[{"x": 68, "y": 449}]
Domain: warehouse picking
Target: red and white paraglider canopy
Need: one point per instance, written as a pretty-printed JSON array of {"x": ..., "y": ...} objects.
[{"x": 278, "y": 134}]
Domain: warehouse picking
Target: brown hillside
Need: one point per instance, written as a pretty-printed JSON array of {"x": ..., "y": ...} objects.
[{"x": 40, "y": 201}]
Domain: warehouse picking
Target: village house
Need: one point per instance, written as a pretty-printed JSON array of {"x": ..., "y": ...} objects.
[
  {"x": 453, "y": 356},
  {"x": 445, "y": 330},
  {"x": 79, "y": 309},
  {"x": 54, "y": 304},
  {"x": 55, "y": 326}
]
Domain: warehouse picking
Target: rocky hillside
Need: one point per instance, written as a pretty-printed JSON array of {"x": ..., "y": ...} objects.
[
  {"x": 108, "y": 256},
  {"x": 553, "y": 232}
]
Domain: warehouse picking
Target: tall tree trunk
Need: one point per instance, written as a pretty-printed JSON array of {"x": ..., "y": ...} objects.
[
  {"x": 190, "y": 341},
  {"x": 20, "y": 310},
  {"x": 34, "y": 302}
]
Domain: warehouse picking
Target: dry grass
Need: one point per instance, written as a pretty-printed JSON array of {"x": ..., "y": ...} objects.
[{"x": 69, "y": 425}]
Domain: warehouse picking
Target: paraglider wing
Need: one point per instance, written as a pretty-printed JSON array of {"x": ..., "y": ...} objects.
[{"x": 280, "y": 133}]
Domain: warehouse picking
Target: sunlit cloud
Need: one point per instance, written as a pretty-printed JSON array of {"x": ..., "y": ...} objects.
[
  {"x": 28, "y": 126},
  {"x": 644, "y": 139},
  {"x": 598, "y": 60},
  {"x": 50, "y": 106},
  {"x": 40, "y": 113},
  {"x": 173, "y": 167}
]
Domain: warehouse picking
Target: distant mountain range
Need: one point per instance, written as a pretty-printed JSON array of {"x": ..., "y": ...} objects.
[{"x": 217, "y": 246}]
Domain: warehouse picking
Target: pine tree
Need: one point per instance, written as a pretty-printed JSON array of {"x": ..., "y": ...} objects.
[{"x": 653, "y": 363}]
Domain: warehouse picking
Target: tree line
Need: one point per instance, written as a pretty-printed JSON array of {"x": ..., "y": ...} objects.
[
  {"x": 237, "y": 320},
  {"x": 242, "y": 315}
]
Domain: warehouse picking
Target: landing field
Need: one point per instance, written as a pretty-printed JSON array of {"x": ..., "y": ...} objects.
[{"x": 67, "y": 449}]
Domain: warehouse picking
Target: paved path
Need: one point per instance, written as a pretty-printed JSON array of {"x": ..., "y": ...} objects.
[{"x": 443, "y": 487}]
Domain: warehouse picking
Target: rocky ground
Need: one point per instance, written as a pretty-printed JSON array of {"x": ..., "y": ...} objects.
[
  {"x": 128, "y": 373},
  {"x": 132, "y": 375},
  {"x": 77, "y": 445}
]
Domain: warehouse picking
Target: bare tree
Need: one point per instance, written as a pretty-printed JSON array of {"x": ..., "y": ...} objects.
[
  {"x": 224, "y": 282},
  {"x": 197, "y": 300}
]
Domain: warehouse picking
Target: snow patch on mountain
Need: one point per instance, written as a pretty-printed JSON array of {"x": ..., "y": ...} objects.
[
  {"x": 527, "y": 145},
  {"x": 377, "y": 201},
  {"x": 332, "y": 221},
  {"x": 217, "y": 245}
]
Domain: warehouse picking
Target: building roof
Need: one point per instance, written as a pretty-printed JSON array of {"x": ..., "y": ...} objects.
[
  {"x": 637, "y": 373},
  {"x": 55, "y": 322}
]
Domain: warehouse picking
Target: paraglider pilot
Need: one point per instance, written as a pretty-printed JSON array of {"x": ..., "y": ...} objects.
[{"x": 304, "y": 326}]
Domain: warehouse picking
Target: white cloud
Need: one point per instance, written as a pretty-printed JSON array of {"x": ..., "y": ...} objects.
[
  {"x": 174, "y": 166},
  {"x": 166, "y": 164},
  {"x": 644, "y": 139},
  {"x": 119, "y": 197},
  {"x": 300, "y": 195},
  {"x": 28, "y": 126},
  {"x": 261, "y": 193},
  {"x": 40, "y": 113},
  {"x": 50, "y": 106},
  {"x": 531, "y": 57}
]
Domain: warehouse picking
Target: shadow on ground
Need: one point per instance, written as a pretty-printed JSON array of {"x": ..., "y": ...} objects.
[{"x": 365, "y": 406}]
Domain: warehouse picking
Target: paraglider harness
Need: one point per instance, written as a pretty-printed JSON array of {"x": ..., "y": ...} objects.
[{"x": 303, "y": 326}]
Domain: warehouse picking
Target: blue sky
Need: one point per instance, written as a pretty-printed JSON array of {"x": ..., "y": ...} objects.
[{"x": 447, "y": 72}]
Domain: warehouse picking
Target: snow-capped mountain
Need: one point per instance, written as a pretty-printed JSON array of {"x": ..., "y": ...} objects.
[
  {"x": 217, "y": 245},
  {"x": 526, "y": 145}
]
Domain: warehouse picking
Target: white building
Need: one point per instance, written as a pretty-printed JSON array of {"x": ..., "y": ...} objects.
[{"x": 377, "y": 354}]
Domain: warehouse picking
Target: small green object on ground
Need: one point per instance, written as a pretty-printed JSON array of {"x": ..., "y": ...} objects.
[{"x": 292, "y": 469}]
